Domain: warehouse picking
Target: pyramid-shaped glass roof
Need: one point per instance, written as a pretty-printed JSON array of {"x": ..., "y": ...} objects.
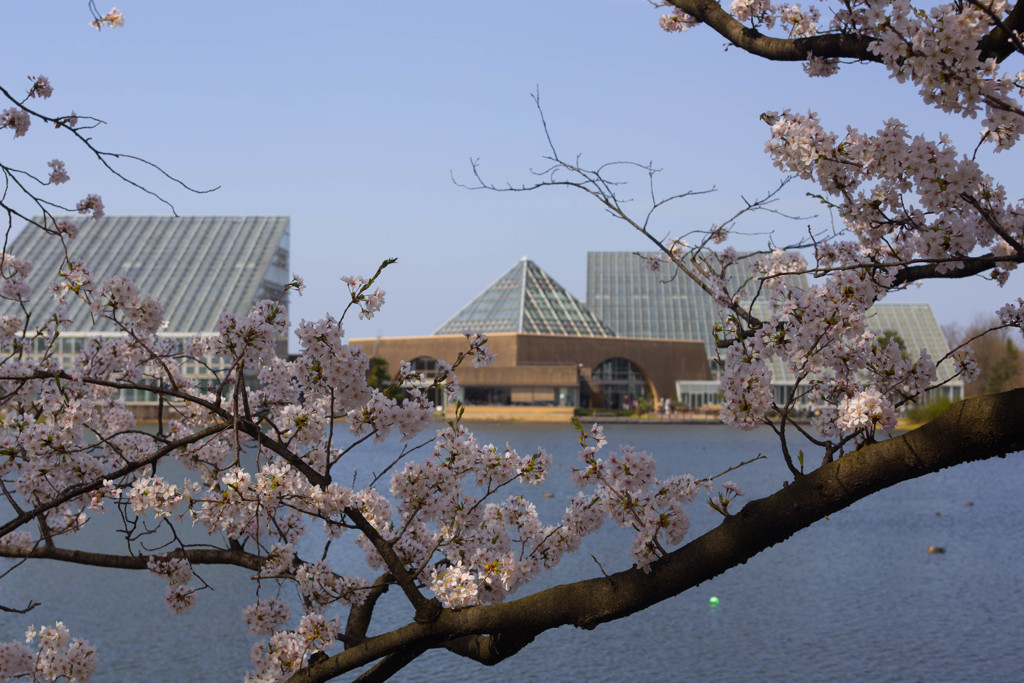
[{"x": 526, "y": 300}]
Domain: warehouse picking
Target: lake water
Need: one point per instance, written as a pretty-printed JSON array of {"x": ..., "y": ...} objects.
[{"x": 855, "y": 597}]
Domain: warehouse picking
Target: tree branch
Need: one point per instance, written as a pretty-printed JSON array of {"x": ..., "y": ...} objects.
[
  {"x": 975, "y": 429},
  {"x": 359, "y": 615},
  {"x": 490, "y": 650},
  {"x": 196, "y": 556},
  {"x": 392, "y": 664},
  {"x": 73, "y": 492},
  {"x": 426, "y": 609},
  {"x": 250, "y": 428},
  {"x": 1001, "y": 42},
  {"x": 1004, "y": 39},
  {"x": 974, "y": 265},
  {"x": 838, "y": 45}
]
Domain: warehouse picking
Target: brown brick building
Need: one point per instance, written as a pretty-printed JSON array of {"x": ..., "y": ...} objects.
[
  {"x": 548, "y": 369},
  {"x": 549, "y": 350}
]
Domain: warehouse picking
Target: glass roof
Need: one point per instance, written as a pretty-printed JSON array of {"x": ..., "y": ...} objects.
[
  {"x": 197, "y": 267},
  {"x": 526, "y": 300},
  {"x": 636, "y": 302}
]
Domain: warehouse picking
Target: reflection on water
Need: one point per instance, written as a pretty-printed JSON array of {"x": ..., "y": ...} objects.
[{"x": 856, "y": 597}]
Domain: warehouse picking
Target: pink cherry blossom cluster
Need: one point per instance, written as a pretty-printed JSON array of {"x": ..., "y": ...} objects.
[
  {"x": 905, "y": 201},
  {"x": 820, "y": 67},
  {"x": 874, "y": 177},
  {"x": 58, "y": 172},
  {"x": 66, "y": 227},
  {"x": 728, "y": 493},
  {"x": 746, "y": 387},
  {"x": 798, "y": 21},
  {"x": 17, "y": 119},
  {"x": 935, "y": 47},
  {"x": 382, "y": 413},
  {"x": 626, "y": 490},
  {"x": 490, "y": 548},
  {"x": 178, "y": 573},
  {"x": 328, "y": 368},
  {"x": 821, "y": 334},
  {"x": 252, "y": 340},
  {"x": 111, "y": 19},
  {"x": 40, "y": 87},
  {"x": 14, "y": 273},
  {"x": 153, "y": 494},
  {"x": 91, "y": 203},
  {"x": 58, "y": 656},
  {"x": 868, "y": 410},
  {"x": 479, "y": 352},
  {"x": 756, "y": 12},
  {"x": 120, "y": 300},
  {"x": 965, "y": 364},
  {"x": 937, "y": 50},
  {"x": 368, "y": 304},
  {"x": 282, "y": 655},
  {"x": 677, "y": 22},
  {"x": 320, "y": 586},
  {"x": 265, "y": 617},
  {"x": 1012, "y": 314}
]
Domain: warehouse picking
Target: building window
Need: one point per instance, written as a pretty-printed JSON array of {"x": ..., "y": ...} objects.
[
  {"x": 425, "y": 366},
  {"x": 487, "y": 396}
]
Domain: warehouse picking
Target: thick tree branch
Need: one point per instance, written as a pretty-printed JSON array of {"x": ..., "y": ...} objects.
[
  {"x": 999, "y": 43},
  {"x": 838, "y": 45},
  {"x": 490, "y": 650},
  {"x": 196, "y": 556},
  {"x": 974, "y": 265},
  {"x": 360, "y": 614},
  {"x": 392, "y": 664},
  {"x": 975, "y": 429},
  {"x": 1003, "y": 40},
  {"x": 426, "y": 609}
]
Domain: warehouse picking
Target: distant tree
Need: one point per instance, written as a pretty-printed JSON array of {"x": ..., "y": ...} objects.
[
  {"x": 893, "y": 335},
  {"x": 1000, "y": 366},
  {"x": 1006, "y": 371},
  {"x": 439, "y": 527},
  {"x": 379, "y": 376}
]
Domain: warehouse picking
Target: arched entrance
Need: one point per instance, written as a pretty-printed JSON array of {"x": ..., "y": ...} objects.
[
  {"x": 427, "y": 368},
  {"x": 619, "y": 382}
]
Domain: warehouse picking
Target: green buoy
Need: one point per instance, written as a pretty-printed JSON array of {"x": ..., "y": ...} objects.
[{"x": 713, "y": 601}]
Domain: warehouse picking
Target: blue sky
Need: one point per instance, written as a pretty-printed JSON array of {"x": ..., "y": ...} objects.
[{"x": 351, "y": 117}]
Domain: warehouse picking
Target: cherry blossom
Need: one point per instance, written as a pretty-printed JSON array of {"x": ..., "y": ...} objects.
[
  {"x": 91, "y": 203},
  {"x": 40, "y": 87},
  {"x": 58, "y": 656},
  {"x": 16, "y": 118},
  {"x": 265, "y": 446},
  {"x": 111, "y": 19},
  {"x": 58, "y": 173}
]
